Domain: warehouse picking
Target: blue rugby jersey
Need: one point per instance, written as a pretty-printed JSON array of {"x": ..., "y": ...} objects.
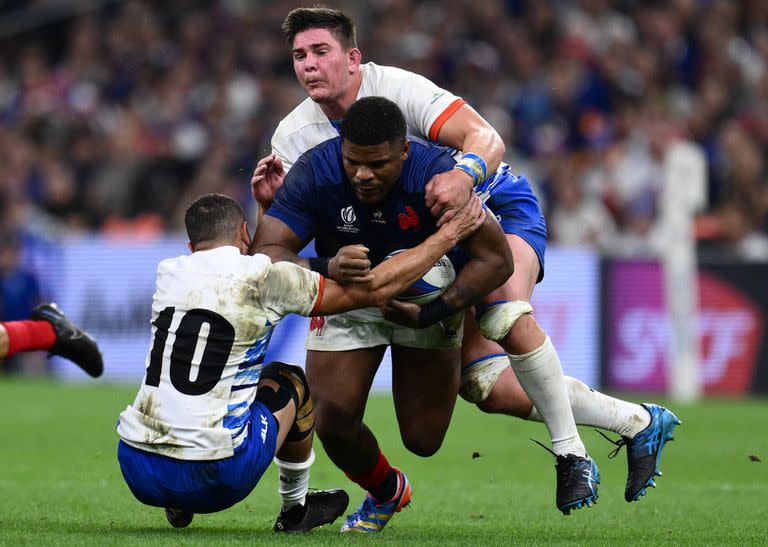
[{"x": 316, "y": 200}]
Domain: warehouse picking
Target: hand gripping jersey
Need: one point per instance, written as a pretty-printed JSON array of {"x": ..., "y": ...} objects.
[
  {"x": 316, "y": 200},
  {"x": 213, "y": 313},
  {"x": 425, "y": 106}
]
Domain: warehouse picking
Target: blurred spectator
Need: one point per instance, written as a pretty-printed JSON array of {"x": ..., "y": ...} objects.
[{"x": 114, "y": 115}]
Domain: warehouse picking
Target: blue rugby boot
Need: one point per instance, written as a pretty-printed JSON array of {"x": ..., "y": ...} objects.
[
  {"x": 644, "y": 450},
  {"x": 577, "y": 480},
  {"x": 372, "y": 516}
]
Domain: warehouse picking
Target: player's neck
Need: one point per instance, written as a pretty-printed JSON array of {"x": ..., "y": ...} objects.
[{"x": 335, "y": 110}]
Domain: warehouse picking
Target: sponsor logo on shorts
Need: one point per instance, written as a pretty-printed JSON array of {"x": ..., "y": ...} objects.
[
  {"x": 316, "y": 325},
  {"x": 264, "y": 426}
]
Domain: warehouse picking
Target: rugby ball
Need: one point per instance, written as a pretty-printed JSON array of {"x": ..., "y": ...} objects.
[{"x": 431, "y": 285}]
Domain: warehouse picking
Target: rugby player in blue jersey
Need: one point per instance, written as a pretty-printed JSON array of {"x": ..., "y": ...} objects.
[
  {"x": 364, "y": 193},
  {"x": 328, "y": 65}
]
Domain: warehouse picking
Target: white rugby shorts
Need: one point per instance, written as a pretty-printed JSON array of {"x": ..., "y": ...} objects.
[{"x": 367, "y": 328}]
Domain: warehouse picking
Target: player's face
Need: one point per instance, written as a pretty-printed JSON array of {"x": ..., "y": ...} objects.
[
  {"x": 324, "y": 68},
  {"x": 372, "y": 170}
]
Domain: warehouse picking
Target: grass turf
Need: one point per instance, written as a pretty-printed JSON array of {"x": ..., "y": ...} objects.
[{"x": 60, "y": 482}]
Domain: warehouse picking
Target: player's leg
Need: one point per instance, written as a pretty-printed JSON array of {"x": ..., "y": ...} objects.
[
  {"x": 49, "y": 329},
  {"x": 340, "y": 383},
  {"x": 420, "y": 357},
  {"x": 284, "y": 390},
  {"x": 494, "y": 387},
  {"x": 344, "y": 353},
  {"x": 509, "y": 322},
  {"x": 425, "y": 383}
]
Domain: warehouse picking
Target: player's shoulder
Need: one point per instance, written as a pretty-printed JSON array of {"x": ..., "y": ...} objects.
[
  {"x": 384, "y": 73},
  {"x": 305, "y": 117},
  {"x": 225, "y": 259}
]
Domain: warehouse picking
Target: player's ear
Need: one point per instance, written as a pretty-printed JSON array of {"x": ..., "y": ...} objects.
[
  {"x": 245, "y": 238},
  {"x": 190, "y": 246},
  {"x": 406, "y": 149},
  {"x": 354, "y": 58}
]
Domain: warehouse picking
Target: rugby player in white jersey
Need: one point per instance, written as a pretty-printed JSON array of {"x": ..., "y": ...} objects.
[
  {"x": 209, "y": 417},
  {"x": 328, "y": 65}
]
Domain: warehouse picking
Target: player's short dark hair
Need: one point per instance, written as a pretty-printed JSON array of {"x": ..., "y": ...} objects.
[
  {"x": 213, "y": 217},
  {"x": 334, "y": 21},
  {"x": 373, "y": 120}
]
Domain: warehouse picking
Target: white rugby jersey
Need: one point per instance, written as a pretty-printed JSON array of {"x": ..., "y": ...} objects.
[
  {"x": 213, "y": 313},
  {"x": 426, "y": 108}
]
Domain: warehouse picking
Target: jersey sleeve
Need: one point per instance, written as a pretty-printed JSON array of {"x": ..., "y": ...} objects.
[
  {"x": 294, "y": 202},
  {"x": 426, "y": 106},
  {"x": 288, "y": 288},
  {"x": 280, "y": 149}
]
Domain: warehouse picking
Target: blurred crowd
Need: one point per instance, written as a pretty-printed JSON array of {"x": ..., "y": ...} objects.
[{"x": 114, "y": 114}]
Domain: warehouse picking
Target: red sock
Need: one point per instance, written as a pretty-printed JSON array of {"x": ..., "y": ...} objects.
[
  {"x": 29, "y": 335},
  {"x": 375, "y": 477}
]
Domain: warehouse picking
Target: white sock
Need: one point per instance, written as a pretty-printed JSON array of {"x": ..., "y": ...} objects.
[
  {"x": 294, "y": 481},
  {"x": 597, "y": 409},
  {"x": 541, "y": 376}
]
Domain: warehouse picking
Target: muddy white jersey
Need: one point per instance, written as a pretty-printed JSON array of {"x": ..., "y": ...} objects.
[
  {"x": 213, "y": 313},
  {"x": 425, "y": 105}
]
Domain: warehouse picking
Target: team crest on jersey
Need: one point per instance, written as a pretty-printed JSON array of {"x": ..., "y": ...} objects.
[
  {"x": 409, "y": 219},
  {"x": 349, "y": 218},
  {"x": 316, "y": 325}
]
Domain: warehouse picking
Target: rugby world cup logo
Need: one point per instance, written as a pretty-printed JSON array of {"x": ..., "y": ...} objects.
[{"x": 348, "y": 215}]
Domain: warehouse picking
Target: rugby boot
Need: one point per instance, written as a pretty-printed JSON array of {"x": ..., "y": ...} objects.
[
  {"x": 644, "y": 451},
  {"x": 577, "y": 480},
  {"x": 71, "y": 342},
  {"x": 178, "y": 518},
  {"x": 373, "y": 516},
  {"x": 321, "y": 507}
]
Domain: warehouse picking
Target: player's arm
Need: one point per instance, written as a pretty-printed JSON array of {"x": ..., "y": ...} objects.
[
  {"x": 468, "y": 131},
  {"x": 279, "y": 242},
  {"x": 490, "y": 265},
  {"x": 396, "y": 274},
  {"x": 483, "y": 150}
]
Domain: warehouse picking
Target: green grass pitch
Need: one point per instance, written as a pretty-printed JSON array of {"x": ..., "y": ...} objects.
[{"x": 60, "y": 482}]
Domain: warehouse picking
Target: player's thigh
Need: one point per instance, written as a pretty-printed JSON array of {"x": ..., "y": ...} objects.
[
  {"x": 425, "y": 383},
  {"x": 340, "y": 381},
  {"x": 520, "y": 284},
  {"x": 526, "y": 334}
]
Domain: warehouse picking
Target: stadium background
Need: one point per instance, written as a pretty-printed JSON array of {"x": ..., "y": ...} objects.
[{"x": 115, "y": 115}]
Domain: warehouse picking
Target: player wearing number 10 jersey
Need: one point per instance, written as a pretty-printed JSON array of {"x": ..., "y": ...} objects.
[{"x": 209, "y": 417}]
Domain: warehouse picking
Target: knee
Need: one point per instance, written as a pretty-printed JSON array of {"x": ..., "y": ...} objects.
[
  {"x": 334, "y": 422},
  {"x": 497, "y": 320},
  {"x": 421, "y": 445},
  {"x": 525, "y": 336},
  {"x": 479, "y": 377}
]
